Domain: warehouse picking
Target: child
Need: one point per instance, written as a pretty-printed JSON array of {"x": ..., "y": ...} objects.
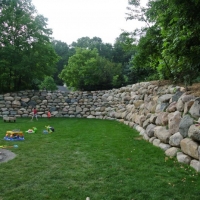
[
  {"x": 34, "y": 114},
  {"x": 48, "y": 114}
]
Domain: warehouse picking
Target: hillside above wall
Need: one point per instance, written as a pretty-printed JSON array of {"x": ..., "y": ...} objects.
[{"x": 193, "y": 89}]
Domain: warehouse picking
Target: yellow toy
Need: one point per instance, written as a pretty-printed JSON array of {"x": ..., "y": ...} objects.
[{"x": 14, "y": 135}]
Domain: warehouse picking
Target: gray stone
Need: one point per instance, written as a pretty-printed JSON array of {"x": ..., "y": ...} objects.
[
  {"x": 195, "y": 109},
  {"x": 176, "y": 96},
  {"x": 162, "y": 133},
  {"x": 187, "y": 106},
  {"x": 195, "y": 164},
  {"x": 68, "y": 100},
  {"x": 174, "y": 121},
  {"x": 194, "y": 132},
  {"x": 180, "y": 105},
  {"x": 165, "y": 98},
  {"x": 183, "y": 158},
  {"x": 161, "y": 107},
  {"x": 184, "y": 125},
  {"x": 171, "y": 152},
  {"x": 152, "y": 139},
  {"x": 156, "y": 142},
  {"x": 172, "y": 107},
  {"x": 175, "y": 139},
  {"x": 150, "y": 130},
  {"x": 146, "y": 123},
  {"x": 186, "y": 98},
  {"x": 162, "y": 119},
  {"x": 189, "y": 147},
  {"x": 164, "y": 146},
  {"x": 145, "y": 137}
]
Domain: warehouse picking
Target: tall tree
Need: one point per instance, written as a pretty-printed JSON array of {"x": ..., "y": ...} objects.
[
  {"x": 180, "y": 25},
  {"x": 124, "y": 49},
  {"x": 64, "y": 51},
  {"x": 86, "y": 70},
  {"x": 171, "y": 41},
  {"x": 104, "y": 49},
  {"x": 26, "y": 53}
]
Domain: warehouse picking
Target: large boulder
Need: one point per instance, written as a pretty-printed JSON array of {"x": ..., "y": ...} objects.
[
  {"x": 175, "y": 139},
  {"x": 195, "y": 164},
  {"x": 162, "y": 134},
  {"x": 189, "y": 147},
  {"x": 194, "y": 110},
  {"x": 150, "y": 130},
  {"x": 171, "y": 152},
  {"x": 162, "y": 119},
  {"x": 174, "y": 121},
  {"x": 183, "y": 158},
  {"x": 185, "y": 124},
  {"x": 194, "y": 132}
]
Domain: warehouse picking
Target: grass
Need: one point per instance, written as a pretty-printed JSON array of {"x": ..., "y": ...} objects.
[{"x": 100, "y": 159}]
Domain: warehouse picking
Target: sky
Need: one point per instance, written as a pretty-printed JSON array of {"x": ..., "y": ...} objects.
[{"x": 73, "y": 19}]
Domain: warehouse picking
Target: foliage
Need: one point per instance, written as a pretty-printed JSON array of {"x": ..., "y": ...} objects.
[
  {"x": 124, "y": 49},
  {"x": 48, "y": 84},
  {"x": 64, "y": 51},
  {"x": 25, "y": 49},
  {"x": 170, "y": 43},
  {"x": 104, "y": 49},
  {"x": 86, "y": 70}
]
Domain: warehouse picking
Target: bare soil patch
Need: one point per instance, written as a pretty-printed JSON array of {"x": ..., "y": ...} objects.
[{"x": 193, "y": 89}]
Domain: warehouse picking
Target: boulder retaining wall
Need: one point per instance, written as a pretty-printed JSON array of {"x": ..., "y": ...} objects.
[{"x": 165, "y": 116}]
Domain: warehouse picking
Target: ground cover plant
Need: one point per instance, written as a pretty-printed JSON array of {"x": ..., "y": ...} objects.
[{"x": 100, "y": 159}]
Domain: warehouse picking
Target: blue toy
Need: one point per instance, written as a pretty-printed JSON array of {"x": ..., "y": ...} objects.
[
  {"x": 14, "y": 135},
  {"x": 45, "y": 131}
]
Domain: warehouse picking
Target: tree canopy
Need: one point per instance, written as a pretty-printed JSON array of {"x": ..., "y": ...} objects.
[
  {"x": 48, "y": 84},
  {"x": 170, "y": 42},
  {"x": 87, "y": 70},
  {"x": 26, "y": 53},
  {"x": 167, "y": 47}
]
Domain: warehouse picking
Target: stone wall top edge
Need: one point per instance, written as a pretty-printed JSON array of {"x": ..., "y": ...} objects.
[{"x": 121, "y": 89}]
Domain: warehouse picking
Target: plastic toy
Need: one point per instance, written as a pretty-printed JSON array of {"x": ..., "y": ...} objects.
[
  {"x": 45, "y": 131},
  {"x": 4, "y": 146},
  {"x": 49, "y": 129},
  {"x": 14, "y": 135},
  {"x": 33, "y": 130}
]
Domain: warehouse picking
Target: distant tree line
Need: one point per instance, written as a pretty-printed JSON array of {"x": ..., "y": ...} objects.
[{"x": 167, "y": 47}]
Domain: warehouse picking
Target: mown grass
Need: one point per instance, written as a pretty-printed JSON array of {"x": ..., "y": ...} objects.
[{"x": 100, "y": 159}]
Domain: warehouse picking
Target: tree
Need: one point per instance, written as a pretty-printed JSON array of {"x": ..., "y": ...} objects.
[
  {"x": 176, "y": 44},
  {"x": 86, "y": 70},
  {"x": 62, "y": 50},
  {"x": 48, "y": 84},
  {"x": 26, "y": 53},
  {"x": 104, "y": 50},
  {"x": 123, "y": 50}
]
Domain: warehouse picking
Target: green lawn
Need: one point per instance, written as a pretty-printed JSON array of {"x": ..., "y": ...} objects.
[{"x": 100, "y": 159}]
